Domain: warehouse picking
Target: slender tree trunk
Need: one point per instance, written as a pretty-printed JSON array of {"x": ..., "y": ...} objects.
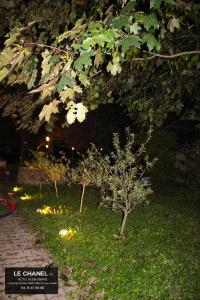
[
  {"x": 125, "y": 215},
  {"x": 56, "y": 189},
  {"x": 82, "y": 197}
]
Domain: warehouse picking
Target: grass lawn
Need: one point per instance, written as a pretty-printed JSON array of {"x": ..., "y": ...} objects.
[{"x": 158, "y": 259}]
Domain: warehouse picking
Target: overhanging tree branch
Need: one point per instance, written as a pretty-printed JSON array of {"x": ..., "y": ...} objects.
[
  {"x": 195, "y": 52},
  {"x": 46, "y": 46},
  {"x": 166, "y": 56}
]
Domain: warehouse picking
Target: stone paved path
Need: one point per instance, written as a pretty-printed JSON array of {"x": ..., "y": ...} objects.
[{"x": 18, "y": 249}]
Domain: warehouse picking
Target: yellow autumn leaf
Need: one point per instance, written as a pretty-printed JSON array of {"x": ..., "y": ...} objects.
[
  {"x": 68, "y": 65},
  {"x": 81, "y": 112},
  {"x": 98, "y": 58},
  {"x": 46, "y": 92},
  {"x": 67, "y": 93},
  {"x": 114, "y": 68},
  {"x": 71, "y": 116},
  {"x": 73, "y": 73},
  {"x": 48, "y": 110},
  {"x": 6, "y": 56},
  {"x": 45, "y": 63},
  {"x": 76, "y": 111},
  {"x": 3, "y": 73},
  {"x": 77, "y": 89}
]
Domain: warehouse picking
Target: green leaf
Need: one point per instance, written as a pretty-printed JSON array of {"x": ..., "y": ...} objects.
[
  {"x": 103, "y": 37},
  {"x": 54, "y": 59},
  {"x": 65, "y": 80},
  {"x": 62, "y": 83},
  {"x": 155, "y": 4},
  {"x": 109, "y": 35},
  {"x": 129, "y": 6},
  {"x": 70, "y": 80},
  {"x": 94, "y": 27},
  {"x": 84, "y": 79},
  {"x": 171, "y": 2},
  {"x": 127, "y": 42},
  {"x": 88, "y": 42},
  {"x": 151, "y": 42},
  {"x": 33, "y": 63},
  {"x": 149, "y": 21},
  {"x": 84, "y": 60},
  {"x": 120, "y": 22}
]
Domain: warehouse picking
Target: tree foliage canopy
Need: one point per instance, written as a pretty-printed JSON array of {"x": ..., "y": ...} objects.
[{"x": 74, "y": 55}]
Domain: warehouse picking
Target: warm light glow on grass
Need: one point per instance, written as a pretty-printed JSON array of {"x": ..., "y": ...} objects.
[
  {"x": 26, "y": 197},
  {"x": 47, "y": 210},
  {"x": 67, "y": 234},
  {"x": 17, "y": 189}
]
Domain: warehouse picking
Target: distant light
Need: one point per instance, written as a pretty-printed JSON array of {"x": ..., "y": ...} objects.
[
  {"x": 47, "y": 146},
  {"x": 73, "y": 148},
  {"x": 101, "y": 149},
  {"x": 17, "y": 189},
  {"x": 47, "y": 138}
]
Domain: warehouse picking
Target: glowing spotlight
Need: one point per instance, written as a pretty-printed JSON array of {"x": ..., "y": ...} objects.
[
  {"x": 67, "y": 234},
  {"x": 26, "y": 197},
  {"x": 47, "y": 138},
  {"x": 73, "y": 148},
  {"x": 47, "y": 210},
  {"x": 17, "y": 189},
  {"x": 47, "y": 146}
]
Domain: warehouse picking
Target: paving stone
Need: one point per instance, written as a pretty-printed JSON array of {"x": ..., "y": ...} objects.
[{"x": 18, "y": 249}]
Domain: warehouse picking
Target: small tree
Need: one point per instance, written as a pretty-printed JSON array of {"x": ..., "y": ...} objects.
[
  {"x": 54, "y": 169},
  {"x": 120, "y": 177},
  {"x": 86, "y": 172}
]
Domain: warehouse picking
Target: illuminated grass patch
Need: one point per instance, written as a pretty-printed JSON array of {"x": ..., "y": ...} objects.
[
  {"x": 157, "y": 259},
  {"x": 67, "y": 234}
]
